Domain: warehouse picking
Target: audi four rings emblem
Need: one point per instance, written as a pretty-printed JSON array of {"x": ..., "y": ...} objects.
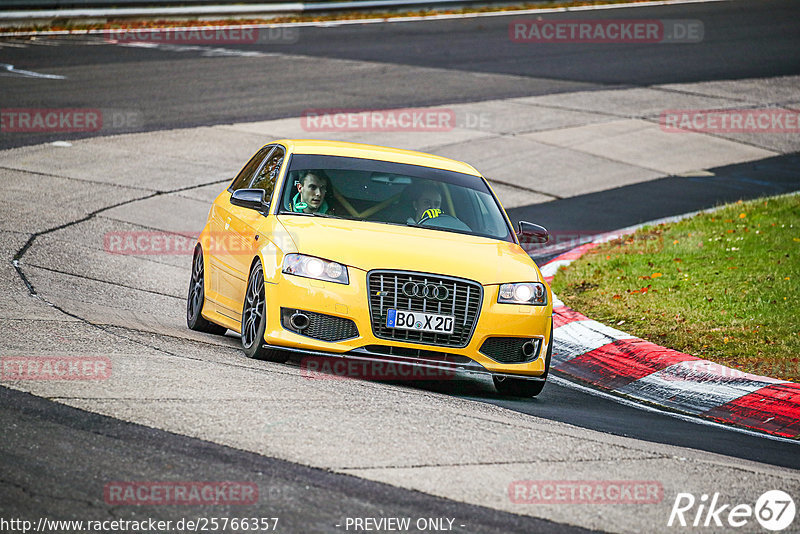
[{"x": 427, "y": 291}]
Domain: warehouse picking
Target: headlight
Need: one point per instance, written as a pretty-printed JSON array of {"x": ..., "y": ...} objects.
[
  {"x": 532, "y": 293},
  {"x": 311, "y": 267}
]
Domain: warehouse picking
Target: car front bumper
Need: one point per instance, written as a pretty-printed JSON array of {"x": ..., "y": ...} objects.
[{"x": 351, "y": 302}]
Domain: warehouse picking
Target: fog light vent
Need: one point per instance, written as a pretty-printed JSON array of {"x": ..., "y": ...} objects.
[
  {"x": 318, "y": 325},
  {"x": 511, "y": 349}
]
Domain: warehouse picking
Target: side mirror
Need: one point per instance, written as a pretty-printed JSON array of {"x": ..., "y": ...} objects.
[
  {"x": 250, "y": 198},
  {"x": 532, "y": 233}
]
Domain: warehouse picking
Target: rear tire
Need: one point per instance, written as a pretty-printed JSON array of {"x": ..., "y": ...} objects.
[
  {"x": 520, "y": 387},
  {"x": 197, "y": 298},
  {"x": 254, "y": 319}
]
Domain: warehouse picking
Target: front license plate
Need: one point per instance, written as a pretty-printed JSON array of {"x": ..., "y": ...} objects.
[{"x": 420, "y": 322}]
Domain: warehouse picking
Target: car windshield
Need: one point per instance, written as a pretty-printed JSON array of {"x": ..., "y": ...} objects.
[{"x": 392, "y": 193}]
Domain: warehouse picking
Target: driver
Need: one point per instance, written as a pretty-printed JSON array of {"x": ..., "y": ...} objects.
[
  {"x": 427, "y": 203},
  {"x": 311, "y": 190}
]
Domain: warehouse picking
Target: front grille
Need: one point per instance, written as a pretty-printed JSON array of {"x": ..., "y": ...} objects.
[
  {"x": 463, "y": 301},
  {"x": 509, "y": 349},
  {"x": 321, "y": 326}
]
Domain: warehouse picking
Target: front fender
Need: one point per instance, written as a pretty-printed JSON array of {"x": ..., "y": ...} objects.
[{"x": 278, "y": 244}]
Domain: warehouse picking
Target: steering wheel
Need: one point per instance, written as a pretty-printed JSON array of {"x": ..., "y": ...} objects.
[
  {"x": 429, "y": 214},
  {"x": 442, "y": 220}
]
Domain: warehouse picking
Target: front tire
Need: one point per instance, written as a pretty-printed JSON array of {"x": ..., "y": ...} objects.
[
  {"x": 197, "y": 298},
  {"x": 254, "y": 319},
  {"x": 518, "y": 387}
]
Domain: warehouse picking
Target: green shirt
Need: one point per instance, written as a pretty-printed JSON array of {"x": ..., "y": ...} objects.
[{"x": 323, "y": 208}]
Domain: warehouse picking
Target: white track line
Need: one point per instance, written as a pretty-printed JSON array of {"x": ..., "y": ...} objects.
[
  {"x": 647, "y": 408},
  {"x": 29, "y": 73}
]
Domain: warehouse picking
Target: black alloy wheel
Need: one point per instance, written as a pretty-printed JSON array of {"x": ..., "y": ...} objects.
[{"x": 254, "y": 319}]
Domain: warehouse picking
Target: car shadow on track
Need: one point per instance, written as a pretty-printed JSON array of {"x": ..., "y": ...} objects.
[{"x": 478, "y": 387}]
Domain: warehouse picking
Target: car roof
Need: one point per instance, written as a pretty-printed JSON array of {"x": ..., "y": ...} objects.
[{"x": 381, "y": 153}]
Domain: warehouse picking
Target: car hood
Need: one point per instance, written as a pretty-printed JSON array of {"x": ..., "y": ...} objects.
[{"x": 367, "y": 246}]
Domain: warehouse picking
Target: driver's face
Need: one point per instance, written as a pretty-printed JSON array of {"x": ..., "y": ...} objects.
[
  {"x": 428, "y": 200},
  {"x": 312, "y": 192}
]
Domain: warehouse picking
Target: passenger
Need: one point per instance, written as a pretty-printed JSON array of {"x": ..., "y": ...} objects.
[
  {"x": 427, "y": 203},
  {"x": 311, "y": 191}
]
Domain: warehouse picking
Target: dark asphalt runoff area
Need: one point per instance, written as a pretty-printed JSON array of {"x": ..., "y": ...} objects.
[
  {"x": 65, "y": 478},
  {"x": 56, "y": 459},
  {"x": 569, "y": 405}
]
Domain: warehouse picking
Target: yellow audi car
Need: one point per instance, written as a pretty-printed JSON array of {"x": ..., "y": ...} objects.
[{"x": 373, "y": 254}]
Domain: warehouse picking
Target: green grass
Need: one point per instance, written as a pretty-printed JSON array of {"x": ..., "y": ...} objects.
[{"x": 723, "y": 286}]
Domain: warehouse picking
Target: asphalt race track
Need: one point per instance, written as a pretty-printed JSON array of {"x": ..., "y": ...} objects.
[
  {"x": 394, "y": 65},
  {"x": 568, "y": 133}
]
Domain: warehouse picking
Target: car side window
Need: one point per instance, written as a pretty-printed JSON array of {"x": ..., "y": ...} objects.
[
  {"x": 245, "y": 176},
  {"x": 268, "y": 174}
]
